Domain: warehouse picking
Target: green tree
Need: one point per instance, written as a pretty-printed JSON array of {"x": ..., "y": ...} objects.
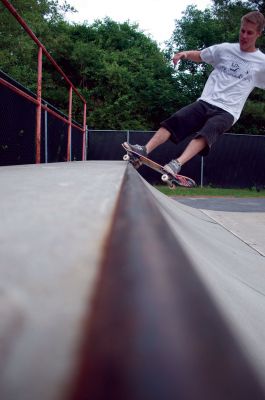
[
  {"x": 123, "y": 74},
  {"x": 128, "y": 81},
  {"x": 195, "y": 30},
  {"x": 18, "y": 53}
]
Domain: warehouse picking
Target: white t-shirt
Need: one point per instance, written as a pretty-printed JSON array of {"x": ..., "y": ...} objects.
[{"x": 235, "y": 75}]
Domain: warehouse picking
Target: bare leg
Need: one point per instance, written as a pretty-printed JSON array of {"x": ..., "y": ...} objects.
[
  {"x": 160, "y": 137},
  {"x": 193, "y": 148}
]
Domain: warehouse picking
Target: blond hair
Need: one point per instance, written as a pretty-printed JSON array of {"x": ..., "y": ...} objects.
[{"x": 256, "y": 18}]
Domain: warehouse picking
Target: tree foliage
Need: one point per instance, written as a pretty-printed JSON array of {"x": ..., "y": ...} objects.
[
  {"x": 122, "y": 73},
  {"x": 128, "y": 81},
  {"x": 18, "y": 53}
]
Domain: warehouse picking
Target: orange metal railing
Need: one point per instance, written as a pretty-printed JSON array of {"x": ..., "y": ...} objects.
[{"x": 39, "y": 105}]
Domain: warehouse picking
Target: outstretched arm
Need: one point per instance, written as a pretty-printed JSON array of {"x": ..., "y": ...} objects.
[{"x": 193, "y": 55}]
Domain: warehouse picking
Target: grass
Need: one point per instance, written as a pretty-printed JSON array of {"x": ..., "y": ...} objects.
[{"x": 211, "y": 192}]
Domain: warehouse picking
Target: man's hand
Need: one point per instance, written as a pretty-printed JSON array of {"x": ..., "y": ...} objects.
[
  {"x": 179, "y": 56},
  {"x": 193, "y": 55}
]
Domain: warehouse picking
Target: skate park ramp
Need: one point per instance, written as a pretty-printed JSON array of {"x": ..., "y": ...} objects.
[{"x": 111, "y": 290}]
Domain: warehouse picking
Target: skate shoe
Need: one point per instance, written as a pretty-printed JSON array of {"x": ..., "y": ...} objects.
[
  {"x": 173, "y": 167},
  {"x": 137, "y": 148}
]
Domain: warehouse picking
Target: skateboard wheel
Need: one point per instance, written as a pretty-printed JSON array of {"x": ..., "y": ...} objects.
[
  {"x": 165, "y": 178},
  {"x": 126, "y": 157}
]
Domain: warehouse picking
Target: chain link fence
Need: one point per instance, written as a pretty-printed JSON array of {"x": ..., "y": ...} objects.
[{"x": 17, "y": 129}]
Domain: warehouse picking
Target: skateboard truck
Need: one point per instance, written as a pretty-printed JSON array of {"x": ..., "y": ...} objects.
[{"x": 136, "y": 163}]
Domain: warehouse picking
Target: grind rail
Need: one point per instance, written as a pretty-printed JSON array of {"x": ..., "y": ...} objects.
[{"x": 154, "y": 332}]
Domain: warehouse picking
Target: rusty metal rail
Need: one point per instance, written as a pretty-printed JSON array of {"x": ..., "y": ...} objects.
[
  {"x": 154, "y": 331},
  {"x": 38, "y": 101}
]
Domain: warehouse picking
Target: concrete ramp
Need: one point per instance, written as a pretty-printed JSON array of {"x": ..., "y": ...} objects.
[
  {"x": 111, "y": 290},
  {"x": 54, "y": 221},
  {"x": 233, "y": 272}
]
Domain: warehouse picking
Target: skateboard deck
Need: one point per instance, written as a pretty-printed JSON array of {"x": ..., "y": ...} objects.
[{"x": 171, "y": 180}]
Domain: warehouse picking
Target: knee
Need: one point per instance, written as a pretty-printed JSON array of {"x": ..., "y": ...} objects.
[{"x": 164, "y": 132}]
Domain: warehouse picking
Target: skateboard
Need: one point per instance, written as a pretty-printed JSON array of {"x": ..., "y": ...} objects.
[{"x": 171, "y": 180}]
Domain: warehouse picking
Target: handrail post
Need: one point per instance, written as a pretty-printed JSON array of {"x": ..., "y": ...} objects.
[
  {"x": 38, "y": 108},
  {"x": 46, "y": 134},
  {"x": 202, "y": 170},
  {"x": 69, "y": 137},
  {"x": 84, "y": 135}
]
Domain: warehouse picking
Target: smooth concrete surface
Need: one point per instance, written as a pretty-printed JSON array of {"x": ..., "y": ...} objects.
[
  {"x": 232, "y": 271},
  {"x": 54, "y": 219},
  {"x": 244, "y": 217},
  {"x": 53, "y": 222}
]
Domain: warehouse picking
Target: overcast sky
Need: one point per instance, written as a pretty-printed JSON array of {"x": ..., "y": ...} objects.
[{"x": 154, "y": 17}]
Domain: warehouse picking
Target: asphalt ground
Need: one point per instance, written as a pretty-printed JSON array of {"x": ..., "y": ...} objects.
[{"x": 248, "y": 205}]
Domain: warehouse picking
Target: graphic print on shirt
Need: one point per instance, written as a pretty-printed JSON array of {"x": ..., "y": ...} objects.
[{"x": 237, "y": 68}]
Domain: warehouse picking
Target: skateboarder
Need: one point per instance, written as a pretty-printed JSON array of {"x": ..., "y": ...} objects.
[{"x": 238, "y": 68}]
